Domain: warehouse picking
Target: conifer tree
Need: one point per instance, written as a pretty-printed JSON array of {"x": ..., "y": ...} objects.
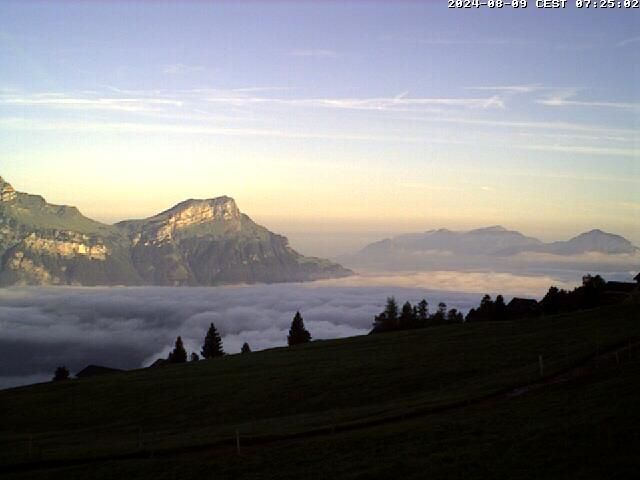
[
  {"x": 179, "y": 354},
  {"x": 391, "y": 313},
  {"x": 454, "y": 316},
  {"x": 298, "y": 333},
  {"x": 380, "y": 323},
  {"x": 245, "y": 348},
  {"x": 194, "y": 357},
  {"x": 486, "y": 311},
  {"x": 212, "y": 344},
  {"x": 61, "y": 373},
  {"x": 499, "y": 309},
  {"x": 407, "y": 319},
  {"x": 423, "y": 311},
  {"x": 441, "y": 313}
]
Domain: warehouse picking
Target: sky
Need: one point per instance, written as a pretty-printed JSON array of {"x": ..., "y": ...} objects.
[{"x": 335, "y": 123}]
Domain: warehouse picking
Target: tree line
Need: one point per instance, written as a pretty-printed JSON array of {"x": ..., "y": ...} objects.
[
  {"x": 212, "y": 346},
  {"x": 591, "y": 294},
  {"x": 413, "y": 316}
]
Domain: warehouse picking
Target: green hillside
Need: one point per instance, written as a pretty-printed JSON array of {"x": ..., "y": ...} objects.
[
  {"x": 32, "y": 211},
  {"x": 384, "y": 406}
]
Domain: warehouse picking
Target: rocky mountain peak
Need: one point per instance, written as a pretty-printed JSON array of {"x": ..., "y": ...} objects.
[
  {"x": 7, "y": 192},
  {"x": 492, "y": 229},
  {"x": 198, "y": 211}
]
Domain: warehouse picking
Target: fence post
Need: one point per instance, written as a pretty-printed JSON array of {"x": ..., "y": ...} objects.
[{"x": 541, "y": 364}]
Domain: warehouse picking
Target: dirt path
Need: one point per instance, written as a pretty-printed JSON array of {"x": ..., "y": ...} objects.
[{"x": 615, "y": 354}]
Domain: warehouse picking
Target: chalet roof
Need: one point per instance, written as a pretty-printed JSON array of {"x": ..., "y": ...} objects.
[
  {"x": 624, "y": 287},
  {"x": 158, "y": 363},
  {"x": 93, "y": 370},
  {"x": 529, "y": 302}
]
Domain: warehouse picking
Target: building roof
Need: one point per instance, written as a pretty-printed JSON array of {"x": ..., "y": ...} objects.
[
  {"x": 158, "y": 363},
  {"x": 622, "y": 287},
  {"x": 94, "y": 370},
  {"x": 529, "y": 302}
]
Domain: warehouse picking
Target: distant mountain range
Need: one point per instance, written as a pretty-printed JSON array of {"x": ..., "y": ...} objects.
[
  {"x": 498, "y": 241},
  {"x": 494, "y": 248},
  {"x": 197, "y": 242}
]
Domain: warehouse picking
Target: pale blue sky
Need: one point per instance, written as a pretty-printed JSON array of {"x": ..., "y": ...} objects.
[{"x": 330, "y": 120}]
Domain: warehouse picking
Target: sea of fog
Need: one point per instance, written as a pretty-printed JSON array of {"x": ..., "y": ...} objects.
[{"x": 124, "y": 327}]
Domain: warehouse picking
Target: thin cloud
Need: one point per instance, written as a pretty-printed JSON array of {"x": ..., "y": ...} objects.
[
  {"x": 575, "y": 176},
  {"x": 397, "y": 103},
  {"x": 509, "y": 88},
  {"x": 456, "y": 41},
  {"x": 564, "y": 100},
  {"x": 181, "y": 69},
  {"x": 605, "y": 151},
  {"x": 628, "y": 41},
  {"x": 315, "y": 53},
  {"x": 624, "y": 134},
  {"x": 107, "y": 127},
  {"x": 630, "y": 205},
  {"x": 59, "y": 100}
]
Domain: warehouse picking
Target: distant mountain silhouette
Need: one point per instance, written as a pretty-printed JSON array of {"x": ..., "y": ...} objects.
[
  {"x": 592, "y": 241},
  {"x": 484, "y": 241},
  {"x": 496, "y": 249},
  {"x": 499, "y": 241}
]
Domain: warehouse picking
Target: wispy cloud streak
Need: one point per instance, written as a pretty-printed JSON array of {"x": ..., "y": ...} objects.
[
  {"x": 57, "y": 100},
  {"x": 628, "y": 41},
  {"x": 565, "y": 100},
  {"x": 398, "y": 103},
  {"x": 315, "y": 53}
]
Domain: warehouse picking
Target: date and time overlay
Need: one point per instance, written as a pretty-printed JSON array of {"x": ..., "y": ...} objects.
[{"x": 546, "y": 4}]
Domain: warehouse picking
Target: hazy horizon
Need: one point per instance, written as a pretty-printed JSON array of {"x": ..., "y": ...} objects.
[
  {"x": 329, "y": 123},
  {"x": 333, "y": 238}
]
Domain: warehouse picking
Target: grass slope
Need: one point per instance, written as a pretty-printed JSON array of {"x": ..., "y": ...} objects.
[
  {"x": 348, "y": 381},
  {"x": 33, "y": 212}
]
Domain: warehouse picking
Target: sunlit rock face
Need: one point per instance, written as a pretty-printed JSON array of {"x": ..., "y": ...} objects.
[
  {"x": 191, "y": 213},
  {"x": 68, "y": 245},
  {"x": 7, "y": 193},
  {"x": 197, "y": 242},
  {"x": 208, "y": 242}
]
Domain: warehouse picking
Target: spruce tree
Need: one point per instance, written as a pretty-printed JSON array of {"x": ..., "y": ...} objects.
[
  {"x": 486, "y": 311},
  {"x": 212, "y": 344},
  {"x": 423, "y": 311},
  {"x": 297, "y": 333},
  {"x": 407, "y": 318},
  {"x": 441, "y": 314},
  {"x": 380, "y": 323},
  {"x": 499, "y": 309},
  {"x": 454, "y": 316},
  {"x": 391, "y": 313},
  {"x": 61, "y": 373},
  {"x": 245, "y": 348},
  {"x": 194, "y": 357},
  {"x": 179, "y": 354}
]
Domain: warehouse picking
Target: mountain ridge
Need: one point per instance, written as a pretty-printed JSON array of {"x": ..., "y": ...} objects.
[
  {"x": 496, "y": 249},
  {"x": 197, "y": 242},
  {"x": 499, "y": 241}
]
